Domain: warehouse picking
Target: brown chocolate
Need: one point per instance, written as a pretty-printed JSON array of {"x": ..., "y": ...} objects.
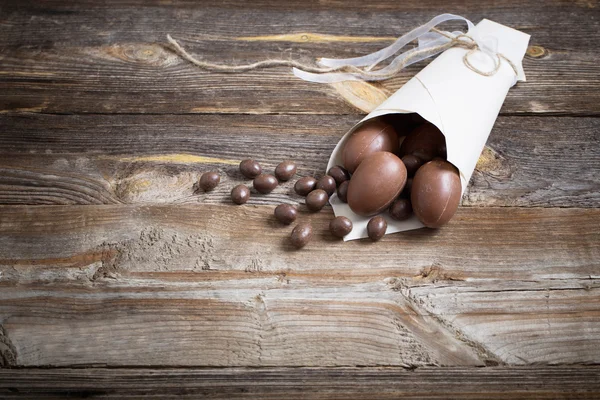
[
  {"x": 265, "y": 183},
  {"x": 209, "y": 181},
  {"x": 240, "y": 194},
  {"x": 285, "y": 213},
  {"x": 370, "y": 137},
  {"x": 436, "y": 193},
  {"x": 425, "y": 142},
  {"x": 377, "y": 181},
  {"x": 401, "y": 209},
  {"x": 327, "y": 183},
  {"x": 412, "y": 164},
  {"x": 407, "y": 188},
  {"x": 285, "y": 171},
  {"x": 301, "y": 235},
  {"x": 305, "y": 185},
  {"x": 340, "y": 226},
  {"x": 376, "y": 228},
  {"x": 342, "y": 191},
  {"x": 250, "y": 169},
  {"x": 403, "y": 123},
  {"x": 316, "y": 200},
  {"x": 339, "y": 173}
]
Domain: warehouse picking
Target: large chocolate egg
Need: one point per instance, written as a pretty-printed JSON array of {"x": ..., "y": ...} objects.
[
  {"x": 370, "y": 137},
  {"x": 435, "y": 193},
  {"x": 425, "y": 142},
  {"x": 377, "y": 181}
]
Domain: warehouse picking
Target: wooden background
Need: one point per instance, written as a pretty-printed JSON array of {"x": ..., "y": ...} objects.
[{"x": 117, "y": 280}]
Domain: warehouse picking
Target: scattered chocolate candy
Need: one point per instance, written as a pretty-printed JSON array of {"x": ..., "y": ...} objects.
[
  {"x": 285, "y": 213},
  {"x": 209, "y": 181},
  {"x": 339, "y": 173},
  {"x": 412, "y": 164},
  {"x": 342, "y": 191},
  {"x": 301, "y": 235},
  {"x": 425, "y": 142},
  {"x": 240, "y": 194},
  {"x": 401, "y": 209},
  {"x": 340, "y": 226},
  {"x": 368, "y": 138},
  {"x": 377, "y": 181},
  {"x": 436, "y": 193},
  {"x": 265, "y": 183},
  {"x": 285, "y": 170},
  {"x": 316, "y": 200},
  {"x": 376, "y": 228},
  {"x": 305, "y": 185},
  {"x": 250, "y": 169},
  {"x": 327, "y": 183}
]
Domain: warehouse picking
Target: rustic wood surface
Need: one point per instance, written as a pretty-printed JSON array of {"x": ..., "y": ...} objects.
[
  {"x": 314, "y": 383},
  {"x": 121, "y": 280}
]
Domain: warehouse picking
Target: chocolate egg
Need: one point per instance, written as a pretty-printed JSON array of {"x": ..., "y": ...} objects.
[
  {"x": 425, "y": 142},
  {"x": 435, "y": 193},
  {"x": 370, "y": 137},
  {"x": 377, "y": 181}
]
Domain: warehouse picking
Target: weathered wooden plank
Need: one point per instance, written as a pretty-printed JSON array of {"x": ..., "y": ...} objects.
[
  {"x": 289, "y": 320},
  {"x": 70, "y": 57},
  {"x": 479, "y": 243},
  {"x": 552, "y": 321},
  {"x": 306, "y": 383},
  {"x": 66, "y": 159},
  {"x": 247, "y": 322}
]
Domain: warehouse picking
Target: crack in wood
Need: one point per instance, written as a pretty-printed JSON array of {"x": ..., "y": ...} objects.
[
  {"x": 485, "y": 355},
  {"x": 8, "y": 352}
]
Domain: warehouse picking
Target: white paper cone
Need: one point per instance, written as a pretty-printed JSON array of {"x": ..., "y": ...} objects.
[{"x": 462, "y": 103}]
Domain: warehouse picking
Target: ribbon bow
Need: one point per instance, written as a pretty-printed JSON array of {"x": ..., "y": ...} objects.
[{"x": 431, "y": 41}]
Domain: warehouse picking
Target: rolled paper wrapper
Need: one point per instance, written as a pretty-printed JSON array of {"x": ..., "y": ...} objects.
[{"x": 462, "y": 103}]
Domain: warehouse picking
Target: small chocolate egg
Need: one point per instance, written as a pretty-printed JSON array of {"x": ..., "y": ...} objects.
[
  {"x": 339, "y": 173},
  {"x": 301, "y": 235},
  {"x": 285, "y": 213},
  {"x": 327, "y": 183},
  {"x": 240, "y": 194},
  {"x": 285, "y": 171},
  {"x": 436, "y": 192},
  {"x": 250, "y": 168},
  {"x": 368, "y": 138},
  {"x": 412, "y": 163},
  {"x": 265, "y": 183},
  {"x": 305, "y": 185},
  {"x": 376, "y": 228},
  {"x": 340, "y": 226},
  {"x": 401, "y": 209},
  {"x": 342, "y": 191},
  {"x": 425, "y": 142},
  {"x": 209, "y": 180},
  {"x": 377, "y": 181},
  {"x": 316, "y": 200}
]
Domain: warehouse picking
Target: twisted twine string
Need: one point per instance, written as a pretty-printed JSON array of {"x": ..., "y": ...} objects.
[{"x": 462, "y": 40}]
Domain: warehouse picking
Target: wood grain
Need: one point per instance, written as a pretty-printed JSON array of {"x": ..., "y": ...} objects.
[
  {"x": 550, "y": 321},
  {"x": 150, "y": 159},
  {"x": 287, "y": 320},
  {"x": 544, "y": 243},
  {"x": 67, "y": 57},
  {"x": 306, "y": 383},
  {"x": 247, "y": 322}
]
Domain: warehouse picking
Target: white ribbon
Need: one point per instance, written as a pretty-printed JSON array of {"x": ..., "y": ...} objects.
[{"x": 427, "y": 40}]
